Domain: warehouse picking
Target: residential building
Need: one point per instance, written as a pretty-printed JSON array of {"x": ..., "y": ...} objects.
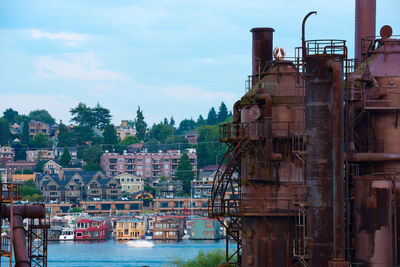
[
  {"x": 130, "y": 183},
  {"x": 191, "y": 137},
  {"x": 73, "y": 151},
  {"x": 124, "y": 130},
  {"x": 60, "y": 209},
  {"x": 36, "y": 127},
  {"x": 6, "y": 154},
  {"x": 3, "y": 175},
  {"x": 146, "y": 165},
  {"x": 168, "y": 189},
  {"x": 23, "y": 177},
  {"x": 15, "y": 128},
  {"x": 181, "y": 205},
  {"x": 202, "y": 185},
  {"x": 107, "y": 207},
  {"x": 54, "y": 130},
  {"x": 203, "y": 228},
  {"x": 91, "y": 229},
  {"x": 51, "y": 167},
  {"x": 74, "y": 186},
  {"x": 170, "y": 228},
  {"x": 20, "y": 165},
  {"x": 40, "y": 154},
  {"x": 129, "y": 229},
  {"x": 135, "y": 148}
]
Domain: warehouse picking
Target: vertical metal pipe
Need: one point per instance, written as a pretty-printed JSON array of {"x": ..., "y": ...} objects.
[
  {"x": 338, "y": 160},
  {"x": 365, "y": 24},
  {"x": 262, "y": 48}
]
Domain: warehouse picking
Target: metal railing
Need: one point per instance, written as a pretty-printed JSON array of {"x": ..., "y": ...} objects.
[
  {"x": 326, "y": 47},
  {"x": 237, "y": 131},
  {"x": 7, "y": 189}
]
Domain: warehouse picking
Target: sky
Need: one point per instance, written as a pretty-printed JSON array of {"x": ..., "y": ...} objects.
[{"x": 170, "y": 57}]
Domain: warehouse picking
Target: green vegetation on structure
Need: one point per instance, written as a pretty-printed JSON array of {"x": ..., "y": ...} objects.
[
  {"x": 30, "y": 192},
  {"x": 213, "y": 258}
]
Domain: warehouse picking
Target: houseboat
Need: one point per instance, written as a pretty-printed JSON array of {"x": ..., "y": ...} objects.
[
  {"x": 91, "y": 229},
  {"x": 168, "y": 228},
  {"x": 129, "y": 229},
  {"x": 203, "y": 228}
]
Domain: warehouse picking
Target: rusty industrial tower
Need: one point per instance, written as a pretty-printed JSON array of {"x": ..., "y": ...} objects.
[{"x": 312, "y": 173}]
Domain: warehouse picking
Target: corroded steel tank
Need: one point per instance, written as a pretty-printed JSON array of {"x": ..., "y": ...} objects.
[
  {"x": 378, "y": 78},
  {"x": 272, "y": 176},
  {"x": 324, "y": 171}
]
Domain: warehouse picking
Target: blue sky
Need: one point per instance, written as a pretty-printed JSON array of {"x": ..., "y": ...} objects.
[{"x": 171, "y": 57}]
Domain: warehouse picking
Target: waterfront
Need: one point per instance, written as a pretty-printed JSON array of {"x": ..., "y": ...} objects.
[{"x": 118, "y": 253}]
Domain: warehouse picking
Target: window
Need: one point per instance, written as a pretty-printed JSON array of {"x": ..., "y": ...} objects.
[
  {"x": 139, "y": 173},
  {"x": 139, "y": 160},
  {"x": 79, "y": 234},
  {"x": 148, "y": 159},
  {"x": 139, "y": 167},
  {"x": 166, "y": 160},
  {"x": 120, "y": 160},
  {"x": 148, "y": 167}
]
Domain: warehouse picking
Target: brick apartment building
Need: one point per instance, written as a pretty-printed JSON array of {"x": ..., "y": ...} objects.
[
  {"x": 6, "y": 155},
  {"x": 146, "y": 165},
  {"x": 38, "y": 127}
]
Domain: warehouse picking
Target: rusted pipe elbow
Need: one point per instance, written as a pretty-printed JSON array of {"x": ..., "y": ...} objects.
[{"x": 236, "y": 112}]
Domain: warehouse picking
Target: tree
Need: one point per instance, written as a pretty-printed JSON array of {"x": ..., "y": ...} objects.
[
  {"x": 91, "y": 156},
  {"x": 161, "y": 131},
  {"x": 150, "y": 189},
  {"x": 210, "y": 151},
  {"x": 25, "y": 132},
  {"x": 184, "y": 172},
  {"x": 82, "y": 115},
  {"x": 212, "y": 117},
  {"x": 152, "y": 146},
  {"x": 27, "y": 171},
  {"x": 41, "y": 140},
  {"x": 172, "y": 121},
  {"x": 66, "y": 137},
  {"x": 140, "y": 125},
  {"x": 176, "y": 143},
  {"x": 129, "y": 140},
  {"x": 200, "y": 121},
  {"x": 211, "y": 258},
  {"x": 101, "y": 116},
  {"x": 42, "y": 115},
  {"x": 165, "y": 121},
  {"x": 186, "y": 126},
  {"x": 10, "y": 115},
  {"x": 39, "y": 166},
  {"x": 65, "y": 158},
  {"x": 4, "y": 132},
  {"x": 110, "y": 135},
  {"x": 83, "y": 135},
  {"x": 30, "y": 192},
  {"x": 222, "y": 112}
]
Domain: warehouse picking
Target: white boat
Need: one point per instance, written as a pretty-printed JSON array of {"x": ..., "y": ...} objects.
[
  {"x": 140, "y": 244},
  {"x": 67, "y": 234}
]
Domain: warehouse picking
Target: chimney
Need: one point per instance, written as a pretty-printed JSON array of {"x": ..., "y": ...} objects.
[
  {"x": 262, "y": 48},
  {"x": 365, "y": 25}
]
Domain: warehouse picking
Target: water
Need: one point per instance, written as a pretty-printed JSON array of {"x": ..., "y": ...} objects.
[{"x": 118, "y": 253}]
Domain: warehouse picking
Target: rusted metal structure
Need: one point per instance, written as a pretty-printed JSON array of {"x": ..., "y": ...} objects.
[
  {"x": 315, "y": 144},
  {"x": 14, "y": 243}
]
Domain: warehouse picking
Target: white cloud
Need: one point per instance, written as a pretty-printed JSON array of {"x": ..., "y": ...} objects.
[
  {"x": 82, "y": 66},
  {"x": 71, "y": 38}
]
